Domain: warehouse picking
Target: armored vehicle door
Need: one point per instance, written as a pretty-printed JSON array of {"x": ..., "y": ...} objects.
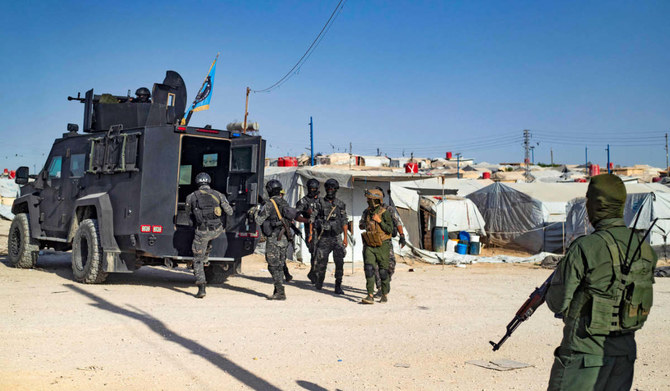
[
  {"x": 60, "y": 182},
  {"x": 247, "y": 161}
]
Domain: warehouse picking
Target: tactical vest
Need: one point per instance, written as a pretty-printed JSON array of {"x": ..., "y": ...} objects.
[
  {"x": 207, "y": 209},
  {"x": 269, "y": 225},
  {"x": 329, "y": 218},
  {"x": 374, "y": 235},
  {"x": 625, "y": 305}
]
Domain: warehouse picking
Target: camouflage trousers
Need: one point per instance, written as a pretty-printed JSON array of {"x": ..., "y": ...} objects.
[
  {"x": 275, "y": 256},
  {"x": 377, "y": 258},
  {"x": 577, "y": 371},
  {"x": 391, "y": 268},
  {"x": 201, "y": 247},
  {"x": 324, "y": 247}
]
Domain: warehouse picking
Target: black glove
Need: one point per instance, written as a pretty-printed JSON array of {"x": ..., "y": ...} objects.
[{"x": 402, "y": 241}]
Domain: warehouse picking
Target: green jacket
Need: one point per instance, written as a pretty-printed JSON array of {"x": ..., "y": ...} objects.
[{"x": 587, "y": 266}]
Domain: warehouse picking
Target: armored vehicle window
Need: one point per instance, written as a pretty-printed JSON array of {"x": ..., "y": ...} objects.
[
  {"x": 55, "y": 166},
  {"x": 210, "y": 160},
  {"x": 185, "y": 174},
  {"x": 242, "y": 159},
  {"x": 77, "y": 167}
]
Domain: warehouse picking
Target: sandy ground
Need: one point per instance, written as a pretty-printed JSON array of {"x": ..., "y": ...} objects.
[{"x": 145, "y": 331}]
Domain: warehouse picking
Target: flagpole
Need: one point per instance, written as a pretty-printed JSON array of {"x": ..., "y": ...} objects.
[{"x": 246, "y": 112}]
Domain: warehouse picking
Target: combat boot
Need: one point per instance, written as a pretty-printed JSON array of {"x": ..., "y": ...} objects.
[
  {"x": 287, "y": 276},
  {"x": 378, "y": 294},
  {"x": 338, "y": 287},
  {"x": 278, "y": 294},
  {"x": 312, "y": 277},
  {"x": 368, "y": 299},
  {"x": 319, "y": 281},
  {"x": 384, "y": 299},
  {"x": 201, "y": 291}
]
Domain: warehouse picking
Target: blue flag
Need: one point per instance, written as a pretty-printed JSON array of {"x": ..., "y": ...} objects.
[{"x": 204, "y": 95}]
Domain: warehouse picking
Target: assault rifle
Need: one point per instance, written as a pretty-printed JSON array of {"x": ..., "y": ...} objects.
[{"x": 528, "y": 308}]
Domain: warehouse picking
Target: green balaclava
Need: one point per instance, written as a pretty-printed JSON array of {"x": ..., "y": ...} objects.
[{"x": 605, "y": 198}]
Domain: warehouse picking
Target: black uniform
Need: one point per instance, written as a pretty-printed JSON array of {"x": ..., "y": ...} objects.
[
  {"x": 330, "y": 219},
  {"x": 304, "y": 206}
]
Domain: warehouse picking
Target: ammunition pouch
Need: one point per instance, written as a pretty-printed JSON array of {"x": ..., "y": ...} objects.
[
  {"x": 625, "y": 307},
  {"x": 267, "y": 228},
  {"x": 372, "y": 239}
]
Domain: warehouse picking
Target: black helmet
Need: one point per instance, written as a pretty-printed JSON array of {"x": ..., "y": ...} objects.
[
  {"x": 331, "y": 184},
  {"x": 143, "y": 91},
  {"x": 203, "y": 179},
  {"x": 273, "y": 187},
  {"x": 312, "y": 184}
]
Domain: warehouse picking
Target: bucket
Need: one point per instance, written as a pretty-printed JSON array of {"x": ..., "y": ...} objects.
[
  {"x": 461, "y": 248},
  {"x": 486, "y": 175},
  {"x": 464, "y": 236},
  {"x": 411, "y": 168},
  {"x": 451, "y": 245},
  {"x": 475, "y": 248},
  {"x": 474, "y": 238},
  {"x": 438, "y": 241}
]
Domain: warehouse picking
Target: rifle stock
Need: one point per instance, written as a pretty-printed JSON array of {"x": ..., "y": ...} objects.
[{"x": 534, "y": 301}]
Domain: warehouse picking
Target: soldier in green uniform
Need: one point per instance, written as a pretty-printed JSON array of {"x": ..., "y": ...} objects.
[
  {"x": 378, "y": 226},
  {"x": 602, "y": 289}
]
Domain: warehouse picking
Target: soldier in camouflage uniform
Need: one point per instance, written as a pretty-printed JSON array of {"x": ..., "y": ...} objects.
[
  {"x": 397, "y": 230},
  {"x": 276, "y": 217},
  {"x": 378, "y": 226},
  {"x": 602, "y": 289},
  {"x": 308, "y": 206},
  {"x": 331, "y": 225},
  {"x": 205, "y": 206}
]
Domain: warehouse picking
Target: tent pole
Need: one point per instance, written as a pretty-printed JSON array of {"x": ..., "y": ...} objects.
[
  {"x": 444, "y": 245},
  {"x": 352, "y": 227}
]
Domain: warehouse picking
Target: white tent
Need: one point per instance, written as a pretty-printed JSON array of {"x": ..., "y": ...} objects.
[{"x": 458, "y": 214}]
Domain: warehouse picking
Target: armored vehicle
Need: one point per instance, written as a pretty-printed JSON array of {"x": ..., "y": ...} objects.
[{"x": 114, "y": 194}]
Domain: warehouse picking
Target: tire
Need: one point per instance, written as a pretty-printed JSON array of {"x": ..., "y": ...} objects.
[
  {"x": 22, "y": 250},
  {"x": 217, "y": 273},
  {"x": 87, "y": 254}
]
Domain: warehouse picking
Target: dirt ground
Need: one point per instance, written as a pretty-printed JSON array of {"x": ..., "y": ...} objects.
[{"x": 145, "y": 331}]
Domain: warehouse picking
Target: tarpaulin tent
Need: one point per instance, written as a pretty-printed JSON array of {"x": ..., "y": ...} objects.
[
  {"x": 513, "y": 218},
  {"x": 649, "y": 205}
]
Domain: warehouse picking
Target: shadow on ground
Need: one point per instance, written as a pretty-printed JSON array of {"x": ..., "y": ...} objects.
[{"x": 248, "y": 378}]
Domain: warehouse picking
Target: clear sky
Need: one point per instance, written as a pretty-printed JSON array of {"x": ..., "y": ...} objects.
[{"x": 402, "y": 76}]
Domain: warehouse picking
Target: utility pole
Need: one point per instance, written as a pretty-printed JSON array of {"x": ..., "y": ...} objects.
[
  {"x": 246, "y": 112},
  {"x": 532, "y": 153},
  {"x": 666, "y": 152},
  {"x": 350, "y": 155},
  {"x": 586, "y": 161},
  {"x": 552, "y": 156},
  {"x": 311, "y": 140},
  {"x": 526, "y": 147},
  {"x": 608, "y": 159},
  {"x": 458, "y": 166}
]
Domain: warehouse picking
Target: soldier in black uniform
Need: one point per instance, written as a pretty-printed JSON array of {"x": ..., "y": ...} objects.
[
  {"x": 205, "y": 205},
  {"x": 331, "y": 222},
  {"x": 276, "y": 220},
  {"x": 308, "y": 206},
  {"x": 142, "y": 95}
]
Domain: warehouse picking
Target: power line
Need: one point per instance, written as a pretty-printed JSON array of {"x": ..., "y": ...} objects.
[{"x": 309, "y": 50}]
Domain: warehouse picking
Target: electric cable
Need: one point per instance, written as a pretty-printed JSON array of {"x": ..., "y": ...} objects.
[{"x": 309, "y": 50}]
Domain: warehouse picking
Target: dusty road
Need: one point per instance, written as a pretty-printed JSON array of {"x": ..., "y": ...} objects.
[{"x": 145, "y": 331}]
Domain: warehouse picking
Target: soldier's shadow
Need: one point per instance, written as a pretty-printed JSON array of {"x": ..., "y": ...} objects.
[{"x": 351, "y": 294}]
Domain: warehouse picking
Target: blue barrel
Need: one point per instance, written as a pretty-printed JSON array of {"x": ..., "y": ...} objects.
[
  {"x": 439, "y": 243},
  {"x": 464, "y": 236},
  {"x": 475, "y": 248},
  {"x": 461, "y": 248}
]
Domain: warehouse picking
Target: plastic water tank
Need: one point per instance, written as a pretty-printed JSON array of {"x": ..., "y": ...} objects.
[{"x": 440, "y": 238}]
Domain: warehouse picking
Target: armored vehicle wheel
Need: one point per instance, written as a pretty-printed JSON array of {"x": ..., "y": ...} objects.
[
  {"x": 217, "y": 273},
  {"x": 87, "y": 254},
  {"x": 22, "y": 250}
]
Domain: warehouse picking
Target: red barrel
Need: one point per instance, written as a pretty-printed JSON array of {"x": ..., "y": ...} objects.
[
  {"x": 280, "y": 162},
  {"x": 594, "y": 170},
  {"x": 611, "y": 166},
  {"x": 12, "y": 174},
  {"x": 486, "y": 175},
  {"x": 412, "y": 168},
  {"x": 448, "y": 155},
  {"x": 287, "y": 161}
]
